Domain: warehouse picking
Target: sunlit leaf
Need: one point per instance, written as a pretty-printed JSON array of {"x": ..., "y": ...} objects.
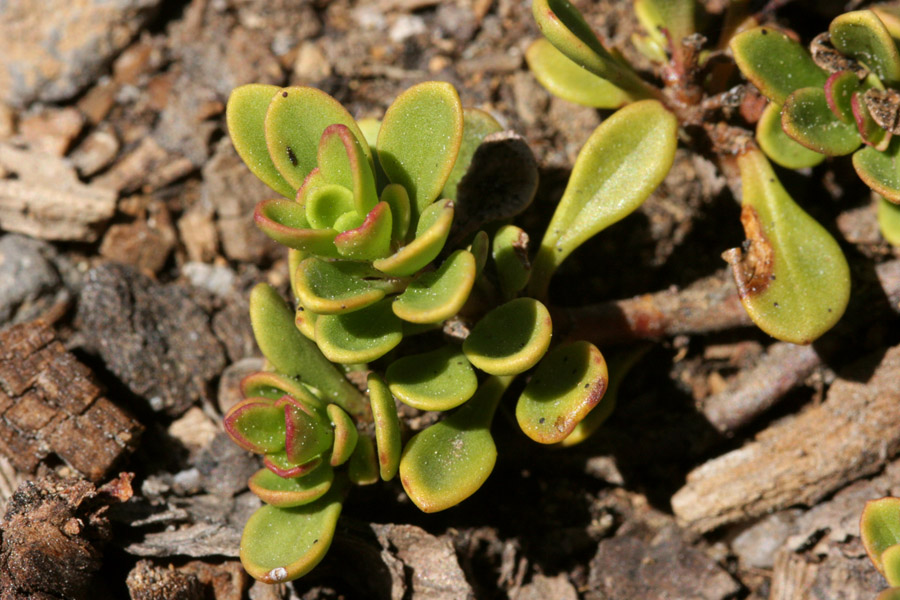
[
  {"x": 568, "y": 383},
  {"x": 431, "y": 232},
  {"x": 387, "y": 427},
  {"x": 245, "y": 116},
  {"x": 861, "y": 35},
  {"x": 307, "y": 435},
  {"x": 342, "y": 161},
  {"x": 879, "y": 528},
  {"x": 438, "y": 295},
  {"x": 447, "y": 462},
  {"x": 282, "y": 544},
  {"x": 511, "y": 338},
  {"x": 623, "y": 161},
  {"x": 880, "y": 170},
  {"x": 275, "y": 385},
  {"x": 477, "y": 124},
  {"x": 325, "y": 204},
  {"x": 676, "y": 17},
  {"x": 775, "y": 63},
  {"x": 281, "y": 465},
  {"x": 328, "y": 288},
  {"x": 361, "y": 336},
  {"x": 285, "y": 222},
  {"x": 396, "y": 197},
  {"x": 780, "y": 147},
  {"x": 295, "y": 491},
  {"x": 889, "y": 221},
  {"x": 257, "y": 425},
  {"x": 419, "y": 140},
  {"x": 793, "y": 279},
  {"x": 438, "y": 380},
  {"x": 839, "y": 90},
  {"x": 345, "y": 435},
  {"x": 371, "y": 239},
  {"x": 363, "y": 466}
]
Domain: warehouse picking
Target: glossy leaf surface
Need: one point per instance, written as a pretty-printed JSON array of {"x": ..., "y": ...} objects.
[
  {"x": 345, "y": 435},
  {"x": 361, "y": 336},
  {"x": 880, "y": 170},
  {"x": 438, "y": 295},
  {"x": 447, "y": 462},
  {"x": 387, "y": 427},
  {"x": 889, "y": 221},
  {"x": 879, "y": 528},
  {"x": 282, "y": 544},
  {"x": 623, "y": 161},
  {"x": 565, "y": 79},
  {"x": 562, "y": 24},
  {"x": 431, "y": 232},
  {"x": 511, "y": 338},
  {"x": 793, "y": 281},
  {"x": 329, "y": 288},
  {"x": 807, "y": 118},
  {"x": 568, "y": 383},
  {"x": 257, "y": 425},
  {"x": 245, "y": 115},
  {"x": 291, "y": 352},
  {"x": 775, "y": 63},
  {"x": 296, "y": 491},
  {"x": 419, "y": 140},
  {"x": 780, "y": 147},
  {"x": 325, "y": 204},
  {"x": 295, "y": 121},
  {"x": 438, "y": 380},
  {"x": 861, "y": 35}
]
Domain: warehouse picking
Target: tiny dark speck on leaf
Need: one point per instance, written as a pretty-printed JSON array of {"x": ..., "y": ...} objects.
[
  {"x": 316, "y": 541},
  {"x": 541, "y": 420},
  {"x": 765, "y": 31},
  {"x": 284, "y": 94},
  {"x": 776, "y": 304},
  {"x": 300, "y": 308},
  {"x": 771, "y": 180},
  {"x": 291, "y": 156},
  {"x": 587, "y": 385},
  {"x": 829, "y": 310},
  {"x": 343, "y": 306},
  {"x": 772, "y": 277},
  {"x": 574, "y": 371}
]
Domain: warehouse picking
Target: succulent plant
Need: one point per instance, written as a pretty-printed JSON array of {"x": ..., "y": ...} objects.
[
  {"x": 842, "y": 97},
  {"x": 879, "y": 528},
  {"x": 366, "y": 210},
  {"x": 792, "y": 277}
]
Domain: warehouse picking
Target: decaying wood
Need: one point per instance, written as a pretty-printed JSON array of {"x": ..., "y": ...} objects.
[
  {"x": 47, "y": 201},
  {"x": 49, "y": 403},
  {"x": 709, "y": 304},
  {"x": 850, "y": 435},
  {"x": 755, "y": 390},
  {"x": 834, "y": 570}
]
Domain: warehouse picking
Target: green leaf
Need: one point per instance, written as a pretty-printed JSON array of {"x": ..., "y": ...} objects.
[
  {"x": 325, "y": 204},
  {"x": 889, "y": 221},
  {"x": 307, "y": 435},
  {"x": 396, "y": 197},
  {"x": 674, "y": 16},
  {"x": 438, "y": 380},
  {"x": 861, "y": 35},
  {"x": 257, "y": 425},
  {"x": 281, "y": 465},
  {"x": 617, "y": 368},
  {"x": 568, "y": 383},
  {"x": 479, "y": 249},
  {"x": 879, "y": 528},
  {"x": 623, "y": 161},
  {"x": 370, "y": 240},
  {"x": 329, "y": 288},
  {"x": 839, "y": 90},
  {"x": 447, "y": 462},
  {"x": 440, "y": 294},
  {"x": 890, "y": 559},
  {"x": 807, "y": 118},
  {"x": 345, "y": 435},
  {"x": 431, "y": 234},
  {"x": 775, "y": 63},
  {"x": 510, "y": 253},
  {"x": 293, "y": 354},
  {"x": 889, "y": 14},
  {"x": 565, "y": 28},
  {"x": 564, "y": 78},
  {"x": 305, "y": 321},
  {"x": 363, "y": 466},
  {"x": 342, "y": 161},
  {"x": 880, "y": 170},
  {"x": 477, "y": 125},
  {"x": 282, "y": 544},
  {"x": 285, "y": 222},
  {"x": 361, "y": 336},
  {"x": 419, "y": 140},
  {"x": 793, "y": 281},
  {"x": 387, "y": 427},
  {"x": 270, "y": 385},
  {"x": 296, "y": 491},
  {"x": 511, "y": 338},
  {"x": 295, "y": 121},
  {"x": 245, "y": 116},
  {"x": 780, "y": 147}
]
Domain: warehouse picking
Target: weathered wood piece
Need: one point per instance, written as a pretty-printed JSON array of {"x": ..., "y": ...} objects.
[
  {"x": 800, "y": 461},
  {"x": 49, "y": 403},
  {"x": 47, "y": 200}
]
